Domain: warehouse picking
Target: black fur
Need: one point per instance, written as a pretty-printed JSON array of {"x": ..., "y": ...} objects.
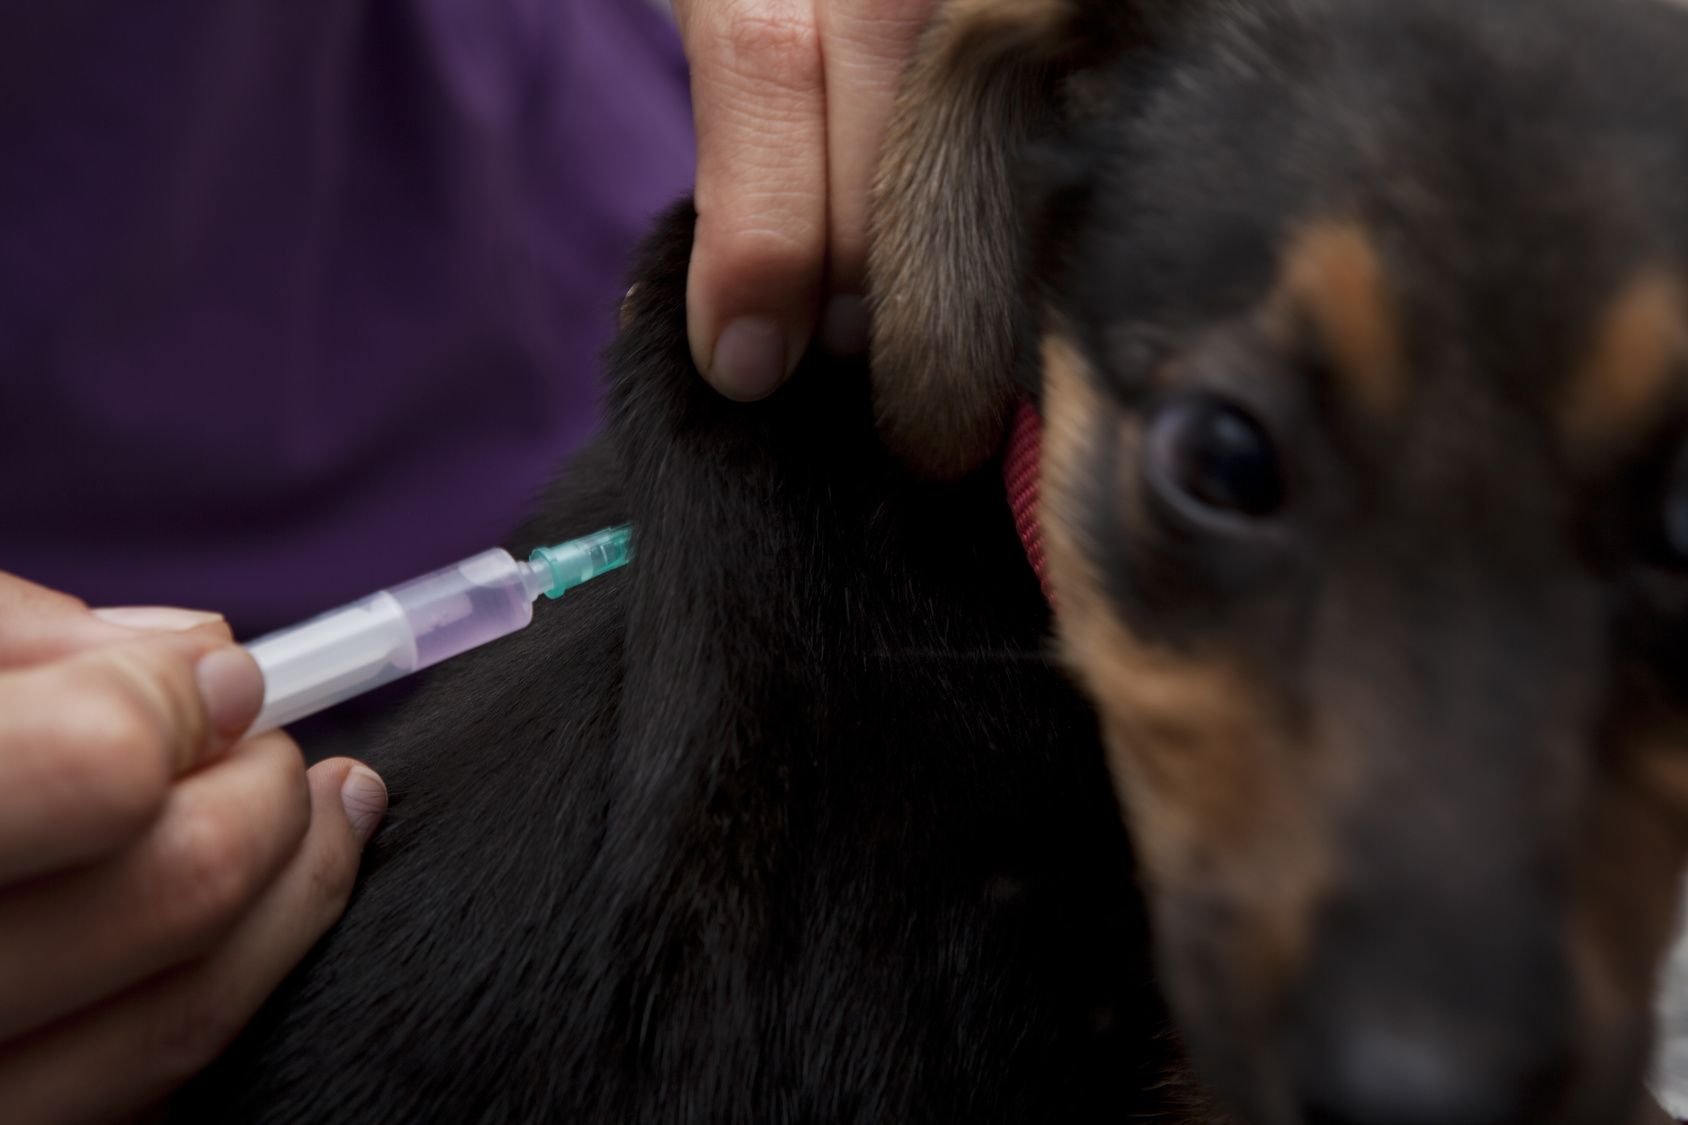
[{"x": 790, "y": 820}]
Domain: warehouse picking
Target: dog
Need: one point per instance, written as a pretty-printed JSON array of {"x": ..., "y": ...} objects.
[
  {"x": 789, "y": 819},
  {"x": 1357, "y": 332}
]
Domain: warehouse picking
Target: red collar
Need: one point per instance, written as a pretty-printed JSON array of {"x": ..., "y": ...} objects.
[{"x": 1020, "y": 461}]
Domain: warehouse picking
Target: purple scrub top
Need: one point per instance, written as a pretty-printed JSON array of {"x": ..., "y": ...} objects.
[{"x": 302, "y": 298}]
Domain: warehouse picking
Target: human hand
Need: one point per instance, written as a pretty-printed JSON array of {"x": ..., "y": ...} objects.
[
  {"x": 157, "y": 881},
  {"x": 791, "y": 98}
]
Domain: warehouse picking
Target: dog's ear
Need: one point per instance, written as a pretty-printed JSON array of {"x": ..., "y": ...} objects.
[{"x": 945, "y": 257}]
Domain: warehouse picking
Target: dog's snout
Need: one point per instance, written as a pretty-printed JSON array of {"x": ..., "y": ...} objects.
[{"x": 1382, "y": 1075}]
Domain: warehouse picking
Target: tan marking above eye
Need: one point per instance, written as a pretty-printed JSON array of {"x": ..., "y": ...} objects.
[
  {"x": 1632, "y": 370},
  {"x": 1332, "y": 281}
]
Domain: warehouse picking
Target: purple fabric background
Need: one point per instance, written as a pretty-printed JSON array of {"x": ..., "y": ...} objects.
[{"x": 300, "y": 298}]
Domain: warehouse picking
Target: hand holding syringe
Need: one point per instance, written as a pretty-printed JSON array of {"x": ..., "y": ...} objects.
[{"x": 350, "y": 650}]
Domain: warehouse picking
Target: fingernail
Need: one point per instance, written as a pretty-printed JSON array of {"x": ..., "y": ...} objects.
[
  {"x": 364, "y": 796},
  {"x": 232, "y": 688},
  {"x": 844, "y": 325},
  {"x": 749, "y": 359},
  {"x": 156, "y": 618}
]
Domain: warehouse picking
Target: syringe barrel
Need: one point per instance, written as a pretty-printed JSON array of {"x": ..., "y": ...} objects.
[{"x": 348, "y": 651}]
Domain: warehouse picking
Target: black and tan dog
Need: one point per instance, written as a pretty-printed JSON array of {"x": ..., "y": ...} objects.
[
  {"x": 1358, "y": 329},
  {"x": 1361, "y": 337}
]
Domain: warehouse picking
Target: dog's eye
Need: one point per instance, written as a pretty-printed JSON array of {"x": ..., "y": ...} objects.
[{"x": 1216, "y": 455}]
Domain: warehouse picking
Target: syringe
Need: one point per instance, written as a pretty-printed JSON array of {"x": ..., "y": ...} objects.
[{"x": 373, "y": 641}]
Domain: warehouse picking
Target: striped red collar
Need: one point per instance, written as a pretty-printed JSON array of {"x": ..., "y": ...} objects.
[{"x": 1020, "y": 461}]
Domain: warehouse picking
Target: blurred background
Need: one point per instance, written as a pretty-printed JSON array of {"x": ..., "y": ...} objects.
[{"x": 300, "y": 298}]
